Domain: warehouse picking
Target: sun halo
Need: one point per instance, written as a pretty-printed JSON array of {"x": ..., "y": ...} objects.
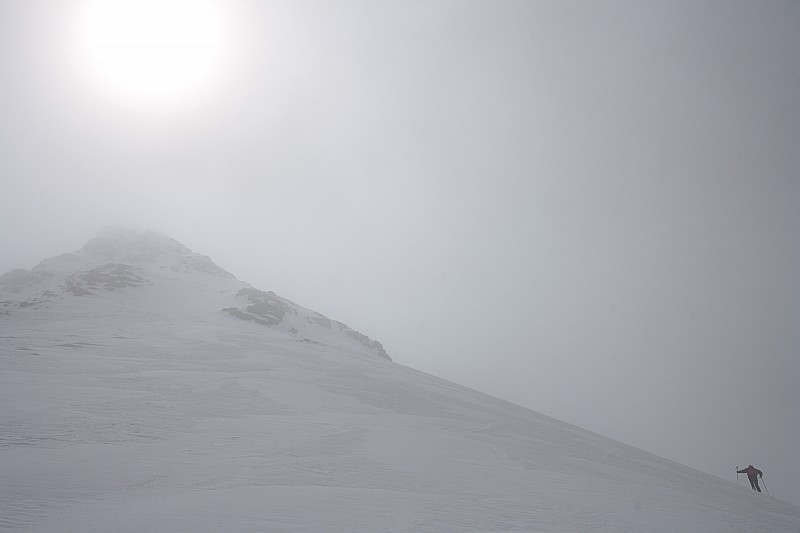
[{"x": 151, "y": 51}]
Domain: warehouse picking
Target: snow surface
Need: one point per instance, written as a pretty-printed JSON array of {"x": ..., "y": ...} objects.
[{"x": 144, "y": 404}]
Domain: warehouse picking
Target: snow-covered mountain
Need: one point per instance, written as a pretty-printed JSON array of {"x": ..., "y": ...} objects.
[
  {"x": 144, "y": 388},
  {"x": 156, "y": 273}
]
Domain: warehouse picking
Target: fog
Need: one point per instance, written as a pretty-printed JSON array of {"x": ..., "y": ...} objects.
[{"x": 587, "y": 208}]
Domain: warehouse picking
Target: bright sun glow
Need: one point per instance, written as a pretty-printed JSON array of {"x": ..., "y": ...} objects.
[{"x": 152, "y": 50}]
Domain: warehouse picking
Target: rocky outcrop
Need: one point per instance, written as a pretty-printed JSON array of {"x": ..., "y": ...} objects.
[
  {"x": 265, "y": 308},
  {"x": 108, "y": 277},
  {"x": 269, "y": 309}
]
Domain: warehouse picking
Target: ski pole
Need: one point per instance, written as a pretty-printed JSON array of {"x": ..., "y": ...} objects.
[
  {"x": 737, "y": 474},
  {"x": 765, "y": 485}
]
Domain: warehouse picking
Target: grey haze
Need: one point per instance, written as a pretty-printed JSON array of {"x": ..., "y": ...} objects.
[{"x": 587, "y": 208}]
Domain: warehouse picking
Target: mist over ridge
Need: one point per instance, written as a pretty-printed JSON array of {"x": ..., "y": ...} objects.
[{"x": 585, "y": 208}]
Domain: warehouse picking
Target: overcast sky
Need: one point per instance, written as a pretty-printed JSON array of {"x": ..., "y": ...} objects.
[{"x": 587, "y": 208}]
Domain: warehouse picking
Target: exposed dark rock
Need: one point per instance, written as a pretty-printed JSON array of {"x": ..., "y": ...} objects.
[
  {"x": 363, "y": 339},
  {"x": 78, "y": 291},
  {"x": 109, "y": 277},
  {"x": 238, "y": 313},
  {"x": 269, "y": 309},
  {"x": 266, "y": 305}
]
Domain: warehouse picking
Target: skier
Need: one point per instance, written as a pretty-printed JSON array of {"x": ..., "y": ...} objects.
[{"x": 753, "y": 474}]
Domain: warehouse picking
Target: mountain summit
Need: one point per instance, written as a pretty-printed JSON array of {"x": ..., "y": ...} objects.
[
  {"x": 121, "y": 245},
  {"x": 144, "y": 388},
  {"x": 125, "y": 267}
]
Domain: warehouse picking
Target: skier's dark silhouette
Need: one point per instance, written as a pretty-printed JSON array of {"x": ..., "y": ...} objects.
[{"x": 753, "y": 474}]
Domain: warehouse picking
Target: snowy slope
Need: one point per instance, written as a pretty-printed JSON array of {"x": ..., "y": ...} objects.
[{"x": 169, "y": 400}]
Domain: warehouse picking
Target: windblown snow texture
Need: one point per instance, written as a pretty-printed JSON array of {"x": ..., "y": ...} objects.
[{"x": 143, "y": 388}]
